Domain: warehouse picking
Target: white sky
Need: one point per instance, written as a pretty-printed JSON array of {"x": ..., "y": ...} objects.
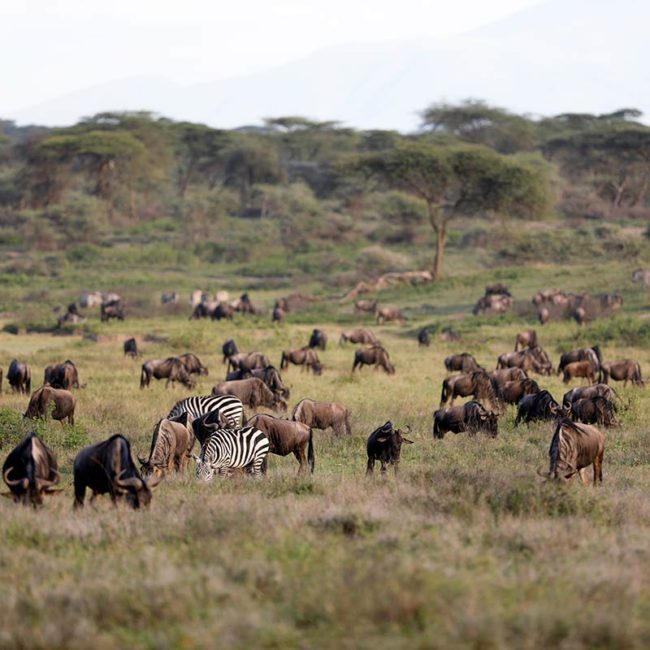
[{"x": 51, "y": 47}]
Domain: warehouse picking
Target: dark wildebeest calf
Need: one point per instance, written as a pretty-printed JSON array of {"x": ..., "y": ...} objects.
[
  {"x": 424, "y": 338},
  {"x": 286, "y": 437},
  {"x": 385, "y": 445},
  {"x": 318, "y": 339},
  {"x": 229, "y": 349},
  {"x": 131, "y": 348},
  {"x": 19, "y": 377},
  {"x": 322, "y": 415},
  {"x": 64, "y": 404},
  {"x": 30, "y": 471},
  {"x": 471, "y": 417},
  {"x": 374, "y": 355},
  {"x": 573, "y": 448},
  {"x": 107, "y": 468}
]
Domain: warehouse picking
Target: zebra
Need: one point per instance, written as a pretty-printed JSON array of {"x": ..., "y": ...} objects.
[
  {"x": 228, "y": 449},
  {"x": 228, "y": 407}
]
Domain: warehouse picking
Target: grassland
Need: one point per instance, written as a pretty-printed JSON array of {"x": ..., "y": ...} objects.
[{"x": 465, "y": 549}]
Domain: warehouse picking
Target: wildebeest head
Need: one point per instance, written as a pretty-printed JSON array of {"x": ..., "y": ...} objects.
[
  {"x": 28, "y": 491},
  {"x": 392, "y": 440},
  {"x": 135, "y": 490}
]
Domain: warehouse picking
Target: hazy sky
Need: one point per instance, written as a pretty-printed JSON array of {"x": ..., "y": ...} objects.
[{"x": 51, "y": 47}]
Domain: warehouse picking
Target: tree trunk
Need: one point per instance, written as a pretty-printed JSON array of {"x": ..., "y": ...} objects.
[{"x": 441, "y": 240}]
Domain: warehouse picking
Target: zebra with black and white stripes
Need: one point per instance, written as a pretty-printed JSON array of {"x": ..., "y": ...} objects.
[
  {"x": 227, "y": 408},
  {"x": 228, "y": 449}
]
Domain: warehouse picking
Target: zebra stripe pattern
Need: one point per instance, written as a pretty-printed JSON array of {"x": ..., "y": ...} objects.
[
  {"x": 228, "y": 449},
  {"x": 227, "y": 405}
]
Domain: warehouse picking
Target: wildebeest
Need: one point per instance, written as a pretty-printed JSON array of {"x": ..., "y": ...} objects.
[
  {"x": 246, "y": 306},
  {"x": 172, "y": 369},
  {"x": 64, "y": 404},
  {"x": 573, "y": 448},
  {"x": 19, "y": 377},
  {"x": 594, "y": 410},
  {"x": 478, "y": 384},
  {"x": 167, "y": 297},
  {"x": 472, "y": 417},
  {"x": 592, "y": 355},
  {"x": 269, "y": 375},
  {"x": 71, "y": 315},
  {"x": 531, "y": 359},
  {"x": 385, "y": 445},
  {"x": 365, "y": 306},
  {"x": 286, "y": 437},
  {"x": 229, "y": 349},
  {"x": 30, "y": 471},
  {"x": 131, "y": 348},
  {"x": 512, "y": 391},
  {"x": 63, "y": 375},
  {"x": 112, "y": 309},
  {"x": 322, "y": 415},
  {"x": 359, "y": 335},
  {"x": 107, "y": 468},
  {"x": 538, "y": 406},
  {"x": 463, "y": 362},
  {"x": 388, "y": 314},
  {"x": 305, "y": 357},
  {"x": 424, "y": 338},
  {"x": 318, "y": 339},
  {"x": 278, "y": 314},
  {"x": 625, "y": 370},
  {"x": 496, "y": 300},
  {"x": 642, "y": 276},
  {"x": 579, "y": 369},
  {"x": 375, "y": 355},
  {"x": 204, "y": 309},
  {"x": 501, "y": 377},
  {"x": 589, "y": 392},
  {"x": 247, "y": 361},
  {"x": 193, "y": 364},
  {"x": 526, "y": 339},
  {"x": 171, "y": 446},
  {"x": 253, "y": 392},
  {"x": 221, "y": 311}
]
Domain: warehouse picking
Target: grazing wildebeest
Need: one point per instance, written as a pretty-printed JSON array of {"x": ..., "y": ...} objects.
[
  {"x": 167, "y": 297},
  {"x": 172, "y": 369},
  {"x": 579, "y": 369},
  {"x": 193, "y": 364},
  {"x": 538, "y": 406},
  {"x": 463, "y": 362},
  {"x": 223, "y": 310},
  {"x": 387, "y": 314},
  {"x": 30, "y": 471},
  {"x": 247, "y": 361},
  {"x": 375, "y": 355},
  {"x": 526, "y": 339},
  {"x": 385, "y": 445},
  {"x": 253, "y": 392},
  {"x": 424, "y": 338},
  {"x": 277, "y": 315},
  {"x": 592, "y": 355},
  {"x": 286, "y": 437},
  {"x": 359, "y": 335},
  {"x": 472, "y": 417},
  {"x": 228, "y": 449},
  {"x": 625, "y": 370},
  {"x": 107, "y": 468},
  {"x": 171, "y": 447},
  {"x": 532, "y": 359},
  {"x": 64, "y": 404},
  {"x": 204, "y": 309},
  {"x": 573, "y": 448},
  {"x": 229, "y": 349},
  {"x": 478, "y": 384},
  {"x": 512, "y": 391},
  {"x": 269, "y": 375},
  {"x": 594, "y": 410},
  {"x": 305, "y": 357},
  {"x": 71, "y": 315},
  {"x": 322, "y": 415},
  {"x": 365, "y": 306},
  {"x": 589, "y": 392},
  {"x": 63, "y": 375},
  {"x": 131, "y": 348},
  {"x": 544, "y": 316},
  {"x": 642, "y": 276},
  {"x": 246, "y": 306},
  {"x": 501, "y": 377},
  {"x": 19, "y": 377},
  {"x": 318, "y": 339},
  {"x": 112, "y": 309}
]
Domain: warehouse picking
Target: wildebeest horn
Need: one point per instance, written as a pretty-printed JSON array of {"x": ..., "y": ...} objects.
[
  {"x": 129, "y": 482},
  {"x": 154, "y": 481},
  {"x": 42, "y": 483},
  {"x": 10, "y": 483}
]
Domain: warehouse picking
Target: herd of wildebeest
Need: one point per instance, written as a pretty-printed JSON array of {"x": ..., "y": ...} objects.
[{"x": 230, "y": 442}]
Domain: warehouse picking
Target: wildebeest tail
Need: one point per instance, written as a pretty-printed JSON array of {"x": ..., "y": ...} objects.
[
  {"x": 310, "y": 452},
  {"x": 637, "y": 373},
  {"x": 143, "y": 376}
]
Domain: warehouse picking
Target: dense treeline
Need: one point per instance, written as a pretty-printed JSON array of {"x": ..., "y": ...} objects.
[{"x": 227, "y": 194}]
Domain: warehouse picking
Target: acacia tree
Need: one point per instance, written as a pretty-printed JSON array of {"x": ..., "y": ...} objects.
[{"x": 461, "y": 180}]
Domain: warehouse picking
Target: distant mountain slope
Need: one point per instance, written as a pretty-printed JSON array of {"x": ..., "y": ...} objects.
[{"x": 576, "y": 55}]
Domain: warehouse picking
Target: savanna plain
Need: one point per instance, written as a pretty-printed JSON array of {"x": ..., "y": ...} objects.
[{"x": 466, "y": 547}]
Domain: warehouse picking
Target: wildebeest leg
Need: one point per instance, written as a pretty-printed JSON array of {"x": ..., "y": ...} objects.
[
  {"x": 301, "y": 457},
  {"x": 383, "y": 467},
  {"x": 598, "y": 467},
  {"x": 371, "y": 466},
  {"x": 583, "y": 478},
  {"x": 265, "y": 464},
  {"x": 395, "y": 467},
  {"x": 79, "y": 494}
]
